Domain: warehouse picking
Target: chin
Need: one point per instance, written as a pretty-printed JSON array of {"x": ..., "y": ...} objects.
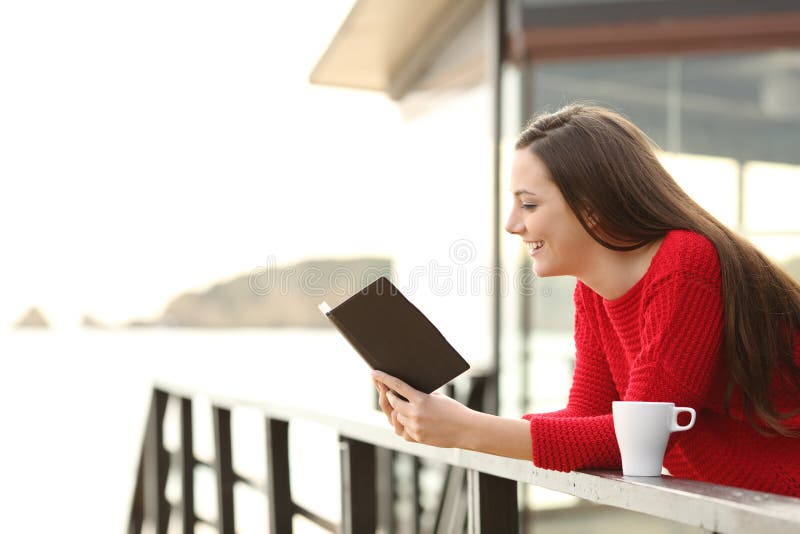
[{"x": 543, "y": 271}]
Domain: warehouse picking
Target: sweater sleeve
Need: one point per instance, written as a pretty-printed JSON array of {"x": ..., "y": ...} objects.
[
  {"x": 680, "y": 337},
  {"x": 680, "y": 342},
  {"x": 589, "y": 403}
]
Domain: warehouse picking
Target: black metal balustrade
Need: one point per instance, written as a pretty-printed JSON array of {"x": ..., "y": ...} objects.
[
  {"x": 479, "y": 493},
  {"x": 367, "y": 477}
]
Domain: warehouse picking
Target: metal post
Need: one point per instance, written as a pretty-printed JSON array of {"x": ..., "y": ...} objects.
[
  {"x": 279, "y": 494},
  {"x": 137, "y": 506},
  {"x": 451, "y": 515},
  {"x": 492, "y": 504},
  {"x": 526, "y": 310},
  {"x": 416, "y": 508},
  {"x": 741, "y": 223},
  {"x": 452, "y": 511},
  {"x": 223, "y": 465},
  {"x": 385, "y": 480},
  {"x": 358, "y": 487},
  {"x": 187, "y": 468},
  {"x": 496, "y": 57},
  {"x": 156, "y": 465}
]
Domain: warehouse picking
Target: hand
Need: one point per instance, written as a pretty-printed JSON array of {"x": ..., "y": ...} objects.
[{"x": 433, "y": 419}]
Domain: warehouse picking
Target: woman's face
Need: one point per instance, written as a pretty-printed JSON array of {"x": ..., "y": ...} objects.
[{"x": 555, "y": 238}]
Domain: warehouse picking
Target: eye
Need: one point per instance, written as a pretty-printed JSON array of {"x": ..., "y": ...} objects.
[{"x": 528, "y": 206}]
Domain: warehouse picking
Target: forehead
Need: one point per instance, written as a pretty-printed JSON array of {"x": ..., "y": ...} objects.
[{"x": 529, "y": 172}]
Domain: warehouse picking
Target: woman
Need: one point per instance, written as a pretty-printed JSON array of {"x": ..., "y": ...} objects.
[{"x": 670, "y": 306}]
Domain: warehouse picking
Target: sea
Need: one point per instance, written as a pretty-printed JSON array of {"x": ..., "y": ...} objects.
[{"x": 74, "y": 404}]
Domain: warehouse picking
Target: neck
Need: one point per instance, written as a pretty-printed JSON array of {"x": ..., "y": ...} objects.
[{"x": 612, "y": 273}]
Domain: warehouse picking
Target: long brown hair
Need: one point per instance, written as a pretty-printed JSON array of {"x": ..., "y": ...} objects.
[{"x": 607, "y": 168}]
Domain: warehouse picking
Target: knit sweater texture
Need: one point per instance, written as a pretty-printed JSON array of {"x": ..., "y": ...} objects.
[{"x": 660, "y": 342}]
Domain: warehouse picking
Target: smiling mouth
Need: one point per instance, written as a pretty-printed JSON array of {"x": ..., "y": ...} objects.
[{"x": 534, "y": 245}]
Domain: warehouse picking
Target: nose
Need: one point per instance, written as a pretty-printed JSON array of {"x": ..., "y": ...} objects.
[{"x": 514, "y": 223}]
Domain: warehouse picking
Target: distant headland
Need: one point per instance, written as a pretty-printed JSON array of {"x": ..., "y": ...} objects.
[
  {"x": 32, "y": 318},
  {"x": 274, "y": 296}
]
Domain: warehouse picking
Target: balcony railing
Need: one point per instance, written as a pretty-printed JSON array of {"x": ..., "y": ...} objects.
[{"x": 491, "y": 496}]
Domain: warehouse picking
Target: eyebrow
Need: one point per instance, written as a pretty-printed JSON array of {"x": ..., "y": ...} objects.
[{"x": 523, "y": 192}]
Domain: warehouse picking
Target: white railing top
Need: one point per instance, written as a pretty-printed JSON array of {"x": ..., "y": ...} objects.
[{"x": 709, "y": 506}]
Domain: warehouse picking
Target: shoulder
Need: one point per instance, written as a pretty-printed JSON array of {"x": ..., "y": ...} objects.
[
  {"x": 684, "y": 253},
  {"x": 685, "y": 271},
  {"x": 584, "y": 297}
]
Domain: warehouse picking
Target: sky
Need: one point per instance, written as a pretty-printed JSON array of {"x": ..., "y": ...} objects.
[{"x": 153, "y": 147}]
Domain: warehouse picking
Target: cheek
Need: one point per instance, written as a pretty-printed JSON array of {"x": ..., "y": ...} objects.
[
  {"x": 568, "y": 239},
  {"x": 570, "y": 245}
]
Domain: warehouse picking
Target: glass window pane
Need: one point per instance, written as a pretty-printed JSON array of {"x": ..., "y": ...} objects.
[
  {"x": 784, "y": 248},
  {"x": 772, "y": 193},
  {"x": 728, "y": 130},
  {"x": 710, "y": 181}
]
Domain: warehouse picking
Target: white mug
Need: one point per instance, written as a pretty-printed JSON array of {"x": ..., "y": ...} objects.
[{"x": 642, "y": 430}]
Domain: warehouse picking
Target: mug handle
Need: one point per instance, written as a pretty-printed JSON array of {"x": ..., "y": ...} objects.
[{"x": 675, "y": 427}]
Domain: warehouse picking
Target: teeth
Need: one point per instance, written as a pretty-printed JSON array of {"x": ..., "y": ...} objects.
[{"x": 533, "y": 245}]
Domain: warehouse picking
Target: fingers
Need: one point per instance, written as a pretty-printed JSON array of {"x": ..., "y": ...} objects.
[
  {"x": 405, "y": 434},
  {"x": 396, "y": 384},
  {"x": 399, "y": 405},
  {"x": 399, "y": 429},
  {"x": 383, "y": 401},
  {"x": 387, "y": 402}
]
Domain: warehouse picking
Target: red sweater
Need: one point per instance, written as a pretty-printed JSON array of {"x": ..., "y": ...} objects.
[{"x": 660, "y": 342}]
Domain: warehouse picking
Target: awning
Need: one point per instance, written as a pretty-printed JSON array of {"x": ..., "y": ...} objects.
[{"x": 386, "y": 45}]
